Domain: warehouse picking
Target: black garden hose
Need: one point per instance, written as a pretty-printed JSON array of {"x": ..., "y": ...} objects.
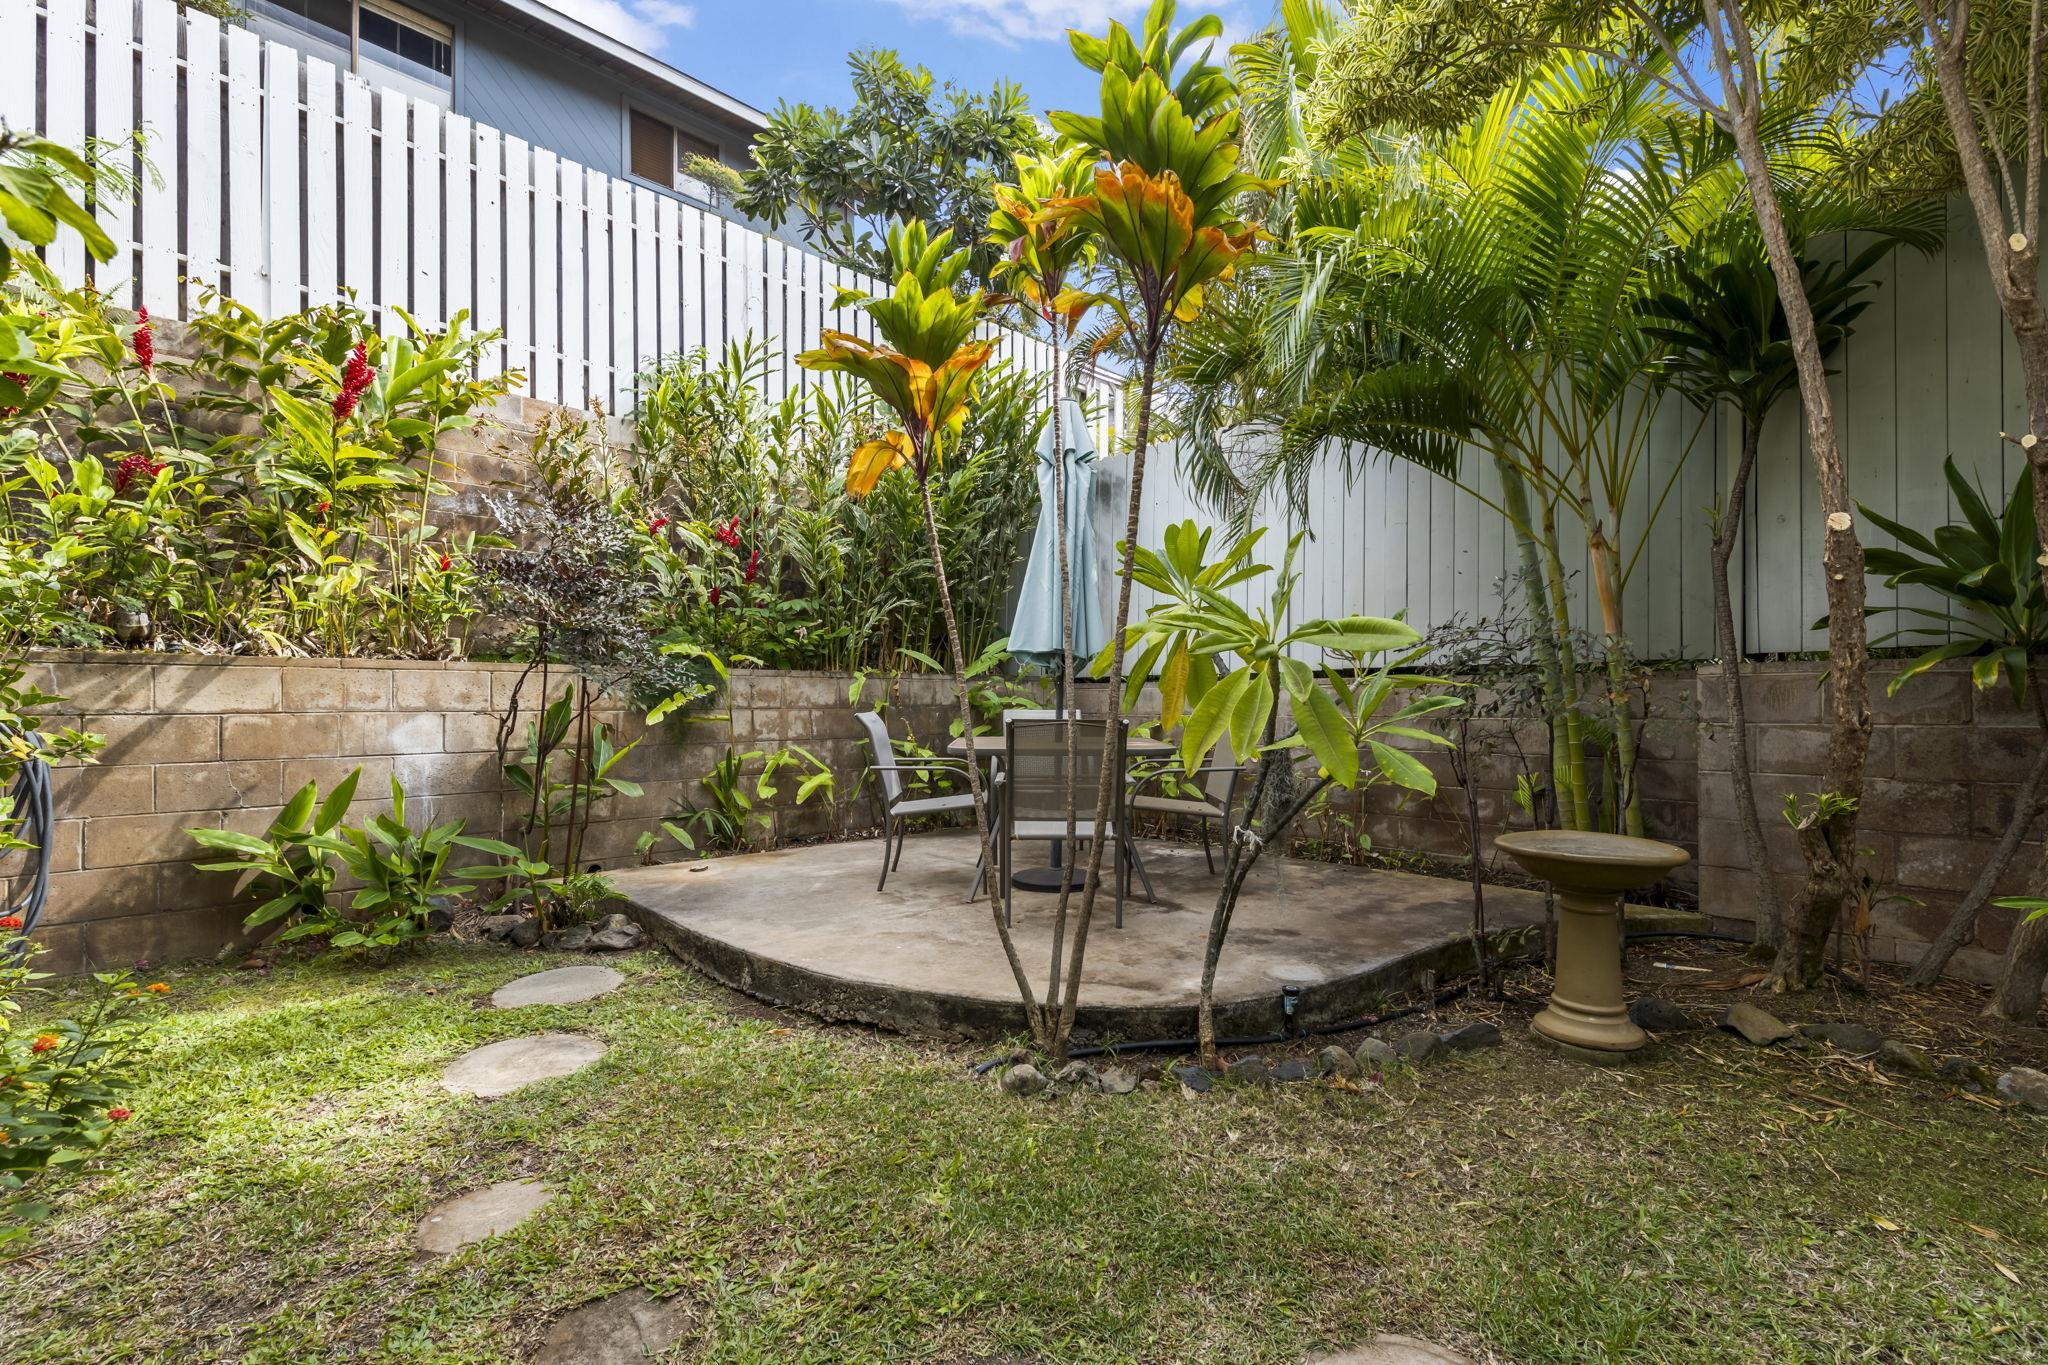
[{"x": 34, "y": 820}]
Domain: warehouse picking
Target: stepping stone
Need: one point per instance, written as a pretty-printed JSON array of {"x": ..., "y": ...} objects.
[
  {"x": 501, "y": 1068},
  {"x": 619, "y": 1330},
  {"x": 480, "y": 1214},
  {"x": 1389, "y": 1349},
  {"x": 562, "y": 986}
]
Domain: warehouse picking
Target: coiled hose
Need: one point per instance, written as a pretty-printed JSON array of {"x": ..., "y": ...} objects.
[{"x": 32, "y": 819}]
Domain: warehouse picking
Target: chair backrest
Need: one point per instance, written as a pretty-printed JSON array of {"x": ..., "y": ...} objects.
[
  {"x": 885, "y": 754},
  {"x": 1038, "y": 714},
  {"x": 1216, "y": 782},
  {"x": 1035, "y": 767}
]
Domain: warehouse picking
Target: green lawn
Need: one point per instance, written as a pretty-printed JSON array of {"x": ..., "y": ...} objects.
[{"x": 827, "y": 1195}]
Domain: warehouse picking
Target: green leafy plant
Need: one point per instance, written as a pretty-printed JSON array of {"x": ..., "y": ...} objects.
[
  {"x": 568, "y": 770},
  {"x": 292, "y": 863},
  {"x": 401, "y": 871},
  {"x": 62, "y": 1085},
  {"x": 725, "y": 821}
]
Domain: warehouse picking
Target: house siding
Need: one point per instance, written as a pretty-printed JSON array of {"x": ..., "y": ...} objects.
[{"x": 522, "y": 88}]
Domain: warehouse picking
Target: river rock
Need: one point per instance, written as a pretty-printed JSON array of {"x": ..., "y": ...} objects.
[
  {"x": 1471, "y": 1037},
  {"x": 1376, "y": 1054},
  {"x": 1024, "y": 1079},
  {"x": 1756, "y": 1025},
  {"x": 1335, "y": 1061},
  {"x": 1417, "y": 1048},
  {"x": 1660, "y": 1016},
  {"x": 2025, "y": 1087},
  {"x": 1904, "y": 1058},
  {"x": 1851, "y": 1038}
]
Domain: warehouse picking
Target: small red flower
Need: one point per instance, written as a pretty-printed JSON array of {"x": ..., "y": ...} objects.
[
  {"x": 10, "y": 921},
  {"x": 446, "y": 563},
  {"x": 753, "y": 565},
  {"x": 118, "y": 1114},
  {"x": 729, "y": 534},
  {"x": 44, "y": 1042},
  {"x": 654, "y": 527},
  {"x": 145, "y": 343},
  {"x": 132, "y": 468},
  {"x": 356, "y": 376},
  {"x": 325, "y": 504},
  {"x": 716, "y": 593}
]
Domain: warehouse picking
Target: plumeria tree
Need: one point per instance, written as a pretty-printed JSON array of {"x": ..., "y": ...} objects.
[
  {"x": 1227, "y": 670},
  {"x": 1162, "y": 206},
  {"x": 1043, "y": 259},
  {"x": 924, "y": 368}
]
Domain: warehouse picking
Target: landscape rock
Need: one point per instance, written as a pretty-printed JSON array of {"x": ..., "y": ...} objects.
[
  {"x": 1755, "y": 1025},
  {"x": 2025, "y": 1087},
  {"x": 1391, "y": 1349},
  {"x": 1376, "y": 1054},
  {"x": 1471, "y": 1037},
  {"x": 1335, "y": 1061},
  {"x": 526, "y": 933},
  {"x": 441, "y": 914},
  {"x": 480, "y": 1214},
  {"x": 1117, "y": 1080},
  {"x": 1660, "y": 1016},
  {"x": 501, "y": 1068},
  {"x": 1293, "y": 1069},
  {"x": 1417, "y": 1048},
  {"x": 1905, "y": 1058},
  {"x": 620, "y": 1330},
  {"x": 562, "y": 986},
  {"x": 1151, "y": 1071},
  {"x": 616, "y": 934},
  {"x": 498, "y": 928},
  {"x": 573, "y": 939},
  {"x": 1851, "y": 1038},
  {"x": 1195, "y": 1078},
  {"x": 1251, "y": 1071},
  {"x": 1024, "y": 1079},
  {"x": 1076, "y": 1076},
  {"x": 1974, "y": 1077}
]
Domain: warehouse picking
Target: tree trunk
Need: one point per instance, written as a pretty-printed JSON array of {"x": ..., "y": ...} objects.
[
  {"x": 1515, "y": 499},
  {"x": 1770, "y": 908},
  {"x": 1033, "y": 1016},
  {"x": 1830, "y": 845},
  {"x": 1605, "y": 557},
  {"x": 2018, "y": 996},
  {"x": 1066, "y": 693},
  {"x": 1573, "y": 802},
  {"x": 1107, "y": 788}
]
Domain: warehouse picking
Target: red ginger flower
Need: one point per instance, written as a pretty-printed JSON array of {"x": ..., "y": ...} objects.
[
  {"x": 356, "y": 376},
  {"x": 138, "y": 466},
  {"x": 446, "y": 563},
  {"x": 654, "y": 527},
  {"x": 145, "y": 343},
  {"x": 716, "y": 593},
  {"x": 753, "y": 565},
  {"x": 729, "y": 534},
  {"x": 117, "y": 1114}
]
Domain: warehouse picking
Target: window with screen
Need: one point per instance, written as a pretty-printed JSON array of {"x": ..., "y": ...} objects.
[
  {"x": 659, "y": 148},
  {"x": 404, "y": 32}
]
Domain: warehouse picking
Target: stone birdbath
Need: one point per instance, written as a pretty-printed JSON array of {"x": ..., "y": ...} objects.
[{"x": 1589, "y": 872}]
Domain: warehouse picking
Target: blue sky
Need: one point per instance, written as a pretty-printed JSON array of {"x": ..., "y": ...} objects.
[{"x": 763, "y": 51}]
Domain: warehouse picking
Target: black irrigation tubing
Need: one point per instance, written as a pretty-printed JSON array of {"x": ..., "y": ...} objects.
[
  {"x": 35, "y": 818},
  {"x": 1347, "y": 1026}
]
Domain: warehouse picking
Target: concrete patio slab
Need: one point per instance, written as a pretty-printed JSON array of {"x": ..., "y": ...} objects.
[{"x": 805, "y": 927}]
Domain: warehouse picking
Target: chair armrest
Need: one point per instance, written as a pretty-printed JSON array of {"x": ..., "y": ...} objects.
[{"x": 948, "y": 765}]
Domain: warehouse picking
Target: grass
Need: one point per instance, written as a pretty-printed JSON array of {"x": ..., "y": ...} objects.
[{"x": 824, "y": 1194}]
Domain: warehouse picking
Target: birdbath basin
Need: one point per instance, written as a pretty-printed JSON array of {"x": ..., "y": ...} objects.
[{"x": 1589, "y": 872}]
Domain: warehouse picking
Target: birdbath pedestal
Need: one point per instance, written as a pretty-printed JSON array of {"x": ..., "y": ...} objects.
[{"x": 1589, "y": 872}]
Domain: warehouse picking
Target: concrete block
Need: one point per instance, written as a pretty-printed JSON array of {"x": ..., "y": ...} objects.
[
  {"x": 218, "y": 786},
  {"x": 1945, "y": 864},
  {"x": 163, "y": 937},
  {"x": 123, "y": 840},
  {"x": 141, "y": 739},
  {"x": 1789, "y": 749},
  {"x": 101, "y": 893},
  {"x": 102, "y": 790},
  {"x": 1782, "y": 698},
  {"x": 1910, "y": 807},
  {"x": 447, "y": 774},
  {"x": 203, "y": 689},
  {"x": 390, "y": 732},
  {"x": 1991, "y": 807},
  {"x": 473, "y": 732},
  {"x": 110, "y": 688},
  {"x": 334, "y": 689},
  {"x": 1955, "y": 754},
  {"x": 1937, "y": 698},
  {"x": 440, "y": 689},
  {"x": 279, "y": 736}
]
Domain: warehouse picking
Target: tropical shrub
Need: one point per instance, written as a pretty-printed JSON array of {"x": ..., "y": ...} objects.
[
  {"x": 62, "y": 1083},
  {"x": 401, "y": 870},
  {"x": 290, "y": 864},
  {"x": 732, "y": 811},
  {"x": 269, "y": 495}
]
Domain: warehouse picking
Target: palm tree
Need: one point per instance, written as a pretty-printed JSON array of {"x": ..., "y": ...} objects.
[{"x": 925, "y": 369}]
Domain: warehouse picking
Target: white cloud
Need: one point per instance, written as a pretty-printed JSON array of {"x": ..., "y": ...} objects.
[
  {"x": 643, "y": 24},
  {"x": 1012, "y": 22}
]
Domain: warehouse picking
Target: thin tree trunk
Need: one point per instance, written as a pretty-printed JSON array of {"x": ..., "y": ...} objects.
[
  {"x": 1066, "y": 692},
  {"x": 1033, "y": 1016},
  {"x": 1829, "y": 844},
  {"x": 1574, "y": 802},
  {"x": 1110, "y": 777},
  {"x": 1770, "y": 907},
  {"x": 1606, "y": 561},
  {"x": 1515, "y": 498},
  {"x": 2027, "y": 807}
]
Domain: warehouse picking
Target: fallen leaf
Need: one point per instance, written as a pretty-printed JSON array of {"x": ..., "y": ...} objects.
[
  {"x": 1733, "y": 983},
  {"x": 1887, "y": 1224},
  {"x": 2005, "y": 1271}
]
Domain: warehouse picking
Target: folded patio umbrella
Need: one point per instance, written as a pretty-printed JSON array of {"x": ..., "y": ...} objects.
[{"x": 1035, "y": 632}]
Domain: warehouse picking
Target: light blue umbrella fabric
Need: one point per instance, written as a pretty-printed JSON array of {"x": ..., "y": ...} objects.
[{"x": 1035, "y": 633}]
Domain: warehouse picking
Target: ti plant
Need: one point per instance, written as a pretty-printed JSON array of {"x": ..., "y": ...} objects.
[
  {"x": 1997, "y": 618},
  {"x": 569, "y": 768},
  {"x": 1224, "y": 670},
  {"x": 292, "y": 861},
  {"x": 924, "y": 368}
]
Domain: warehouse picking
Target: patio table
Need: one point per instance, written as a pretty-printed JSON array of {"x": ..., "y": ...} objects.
[{"x": 988, "y": 748}]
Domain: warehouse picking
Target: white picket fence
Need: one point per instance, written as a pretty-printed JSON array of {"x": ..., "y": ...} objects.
[{"x": 283, "y": 182}]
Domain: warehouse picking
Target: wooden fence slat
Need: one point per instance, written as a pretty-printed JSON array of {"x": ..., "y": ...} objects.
[
  {"x": 113, "y": 120},
  {"x": 428, "y": 214},
  {"x": 18, "y": 65},
  {"x": 394, "y": 219},
  {"x": 358, "y": 192},
  {"x": 458, "y": 165},
  {"x": 281, "y": 71},
  {"x": 242, "y": 195},
  {"x": 490, "y": 244},
  {"x": 201, "y": 193},
  {"x": 323, "y": 185},
  {"x": 64, "y": 115}
]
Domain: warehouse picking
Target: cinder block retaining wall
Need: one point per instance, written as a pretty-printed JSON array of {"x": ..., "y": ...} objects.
[
  {"x": 198, "y": 742},
  {"x": 194, "y": 741}
]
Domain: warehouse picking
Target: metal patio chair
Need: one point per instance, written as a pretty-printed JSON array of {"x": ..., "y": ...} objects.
[
  {"x": 1211, "y": 802},
  {"x": 1032, "y": 795},
  {"x": 898, "y": 808}
]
